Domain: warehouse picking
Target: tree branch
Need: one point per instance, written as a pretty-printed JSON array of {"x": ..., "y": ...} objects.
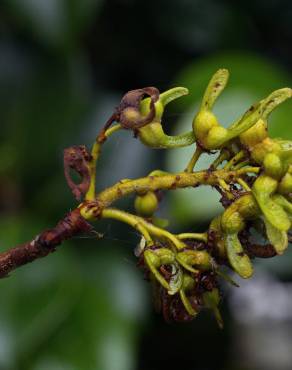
[{"x": 43, "y": 244}]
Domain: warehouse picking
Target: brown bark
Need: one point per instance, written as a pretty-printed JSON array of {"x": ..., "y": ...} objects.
[{"x": 43, "y": 244}]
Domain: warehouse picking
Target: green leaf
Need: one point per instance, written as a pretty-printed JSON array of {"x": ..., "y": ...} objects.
[
  {"x": 262, "y": 190},
  {"x": 277, "y": 238},
  {"x": 260, "y": 110},
  {"x": 283, "y": 202},
  {"x": 214, "y": 89},
  {"x": 169, "y": 95},
  {"x": 239, "y": 261}
]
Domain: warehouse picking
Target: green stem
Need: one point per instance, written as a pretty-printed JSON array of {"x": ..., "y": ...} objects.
[
  {"x": 198, "y": 236},
  {"x": 224, "y": 154},
  {"x": 241, "y": 164},
  {"x": 177, "y": 141},
  {"x": 95, "y": 153},
  {"x": 234, "y": 160},
  {"x": 140, "y": 224},
  {"x": 168, "y": 182},
  {"x": 136, "y": 222},
  {"x": 243, "y": 184},
  {"x": 194, "y": 160}
]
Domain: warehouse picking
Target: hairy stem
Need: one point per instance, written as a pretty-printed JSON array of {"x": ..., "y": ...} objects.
[{"x": 168, "y": 182}]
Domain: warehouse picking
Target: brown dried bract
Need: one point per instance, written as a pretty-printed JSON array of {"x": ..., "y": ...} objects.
[
  {"x": 129, "y": 108},
  {"x": 128, "y": 112},
  {"x": 173, "y": 309},
  {"x": 77, "y": 158},
  {"x": 254, "y": 249}
]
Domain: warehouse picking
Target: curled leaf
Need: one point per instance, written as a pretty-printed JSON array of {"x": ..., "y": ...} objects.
[{"x": 78, "y": 159}]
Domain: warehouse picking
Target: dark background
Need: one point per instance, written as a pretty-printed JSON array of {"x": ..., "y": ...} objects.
[{"x": 64, "y": 66}]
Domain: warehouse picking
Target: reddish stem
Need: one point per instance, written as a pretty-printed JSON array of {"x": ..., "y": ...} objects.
[{"x": 43, "y": 244}]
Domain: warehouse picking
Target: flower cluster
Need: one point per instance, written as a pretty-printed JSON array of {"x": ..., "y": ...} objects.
[
  {"x": 252, "y": 172},
  {"x": 256, "y": 192}
]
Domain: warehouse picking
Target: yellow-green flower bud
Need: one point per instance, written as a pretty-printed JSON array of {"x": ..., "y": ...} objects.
[
  {"x": 193, "y": 260},
  {"x": 263, "y": 189},
  {"x": 255, "y": 134},
  {"x": 216, "y": 137},
  {"x": 146, "y": 204},
  {"x": 153, "y": 134},
  {"x": 232, "y": 221},
  {"x": 202, "y": 124},
  {"x": 273, "y": 165},
  {"x": 157, "y": 257},
  {"x": 285, "y": 186}
]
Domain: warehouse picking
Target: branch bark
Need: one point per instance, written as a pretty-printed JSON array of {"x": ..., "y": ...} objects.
[{"x": 43, "y": 244}]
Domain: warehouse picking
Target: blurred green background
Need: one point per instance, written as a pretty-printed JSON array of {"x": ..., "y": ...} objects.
[{"x": 64, "y": 66}]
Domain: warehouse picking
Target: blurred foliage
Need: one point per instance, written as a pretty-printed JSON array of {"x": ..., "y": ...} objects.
[
  {"x": 71, "y": 311},
  {"x": 64, "y": 65}
]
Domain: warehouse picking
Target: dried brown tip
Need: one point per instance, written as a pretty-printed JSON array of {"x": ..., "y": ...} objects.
[
  {"x": 77, "y": 158},
  {"x": 129, "y": 108}
]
